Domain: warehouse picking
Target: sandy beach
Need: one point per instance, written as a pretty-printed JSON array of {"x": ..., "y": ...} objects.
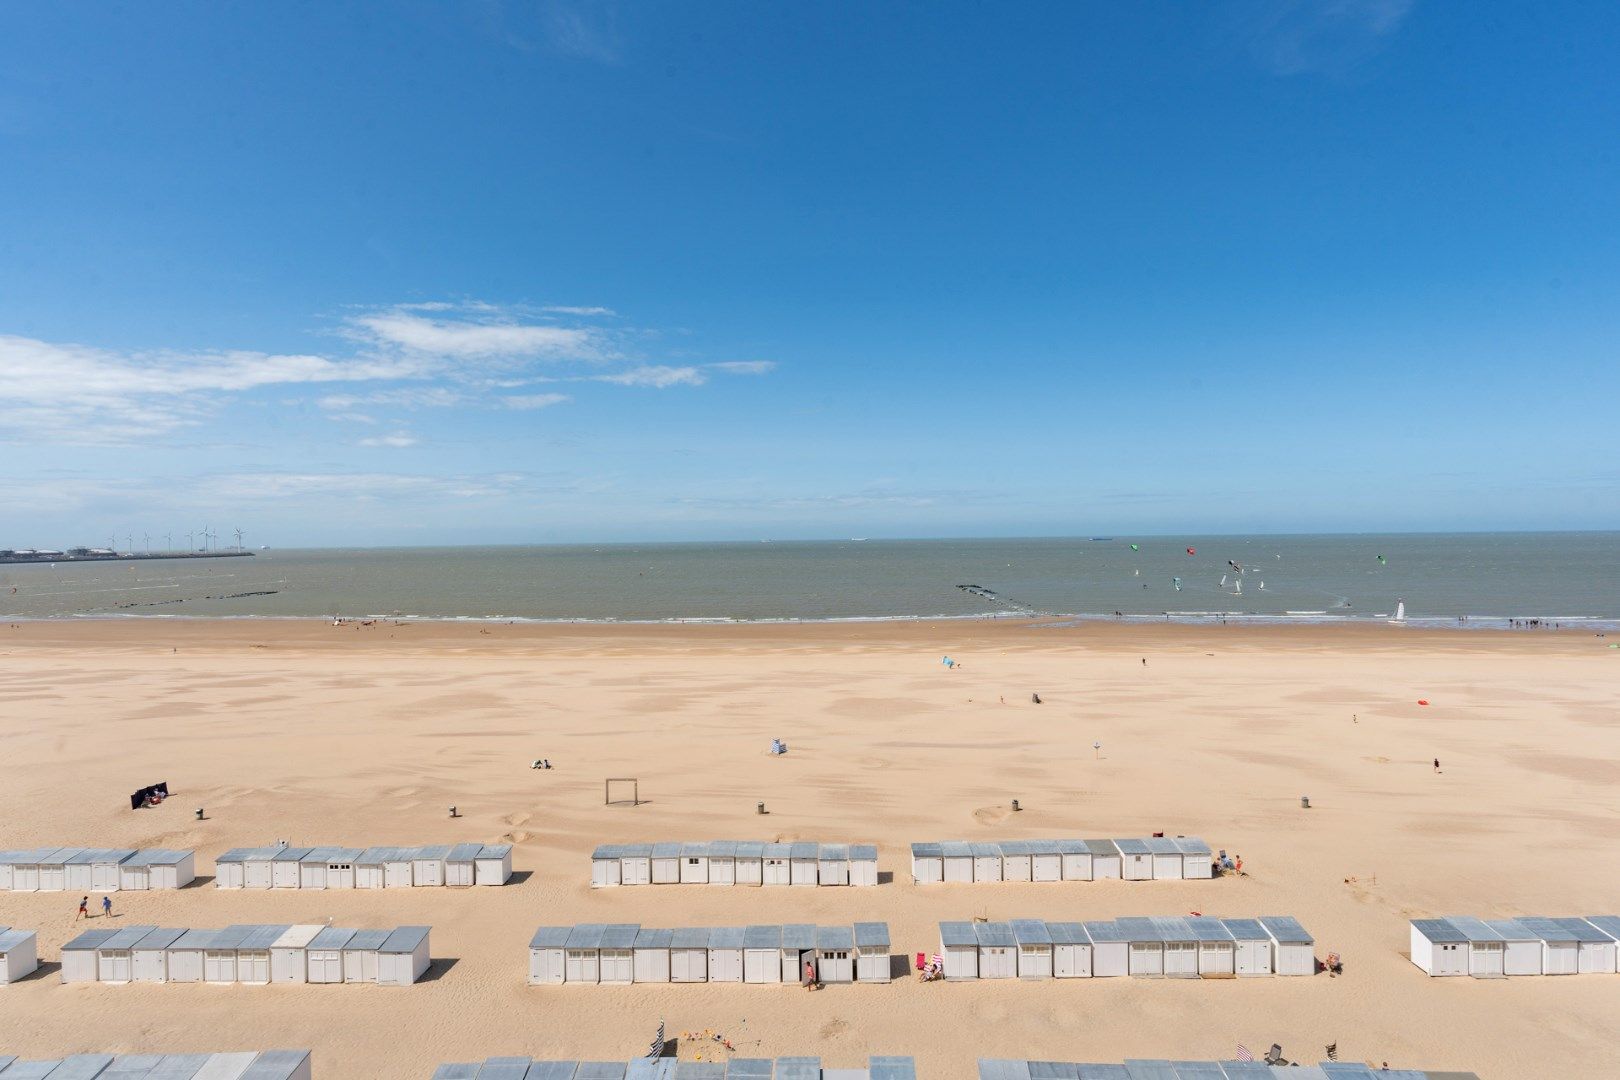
[{"x": 364, "y": 735}]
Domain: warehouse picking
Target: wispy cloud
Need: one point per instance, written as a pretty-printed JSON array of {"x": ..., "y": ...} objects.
[
  {"x": 582, "y": 312},
  {"x": 398, "y": 440},
  {"x": 534, "y": 401},
  {"x": 569, "y": 30},
  {"x": 492, "y": 338},
  {"x": 1291, "y": 37},
  {"x": 406, "y": 397},
  {"x": 657, "y": 376},
  {"x": 744, "y": 367}
]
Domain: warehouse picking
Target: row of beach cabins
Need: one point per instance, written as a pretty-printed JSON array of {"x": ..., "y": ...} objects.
[
  {"x": 241, "y": 1065},
  {"x": 628, "y": 953},
  {"x": 1191, "y": 947},
  {"x": 296, "y": 1065},
  {"x": 279, "y": 866},
  {"x": 740, "y": 862},
  {"x": 249, "y": 954},
  {"x": 1531, "y": 945}
]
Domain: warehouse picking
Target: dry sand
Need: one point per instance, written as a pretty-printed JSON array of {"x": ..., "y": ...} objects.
[{"x": 364, "y": 736}]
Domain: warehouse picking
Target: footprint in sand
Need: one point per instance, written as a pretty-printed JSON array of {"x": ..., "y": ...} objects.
[
  {"x": 402, "y": 793},
  {"x": 517, "y": 837},
  {"x": 834, "y": 1027},
  {"x": 517, "y": 819},
  {"x": 991, "y": 815}
]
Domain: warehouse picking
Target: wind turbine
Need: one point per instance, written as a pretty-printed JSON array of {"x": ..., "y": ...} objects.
[
  {"x": 168, "y": 541},
  {"x": 205, "y": 538},
  {"x": 146, "y": 542},
  {"x": 191, "y": 545},
  {"x": 238, "y": 539},
  {"x": 129, "y": 542},
  {"x": 112, "y": 543}
]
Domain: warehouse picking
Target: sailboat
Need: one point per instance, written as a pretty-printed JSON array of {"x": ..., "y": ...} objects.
[{"x": 1400, "y": 612}]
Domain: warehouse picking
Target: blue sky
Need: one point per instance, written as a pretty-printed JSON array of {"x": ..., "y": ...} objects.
[{"x": 500, "y": 272}]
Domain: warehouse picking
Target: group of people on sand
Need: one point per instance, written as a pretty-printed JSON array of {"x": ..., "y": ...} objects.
[{"x": 84, "y": 908}]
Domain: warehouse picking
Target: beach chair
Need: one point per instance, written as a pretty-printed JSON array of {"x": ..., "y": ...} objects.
[
  {"x": 1274, "y": 1055},
  {"x": 922, "y": 961}
]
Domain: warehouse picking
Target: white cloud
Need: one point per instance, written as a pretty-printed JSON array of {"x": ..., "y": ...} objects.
[
  {"x": 534, "y": 401},
  {"x": 351, "y": 418},
  {"x": 1329, "y": 37},
  {"x": 744, "y": 367},
  {"x": 584, "y": 312},
  {"x": 409, "y": 397},
  {"x": 466, "y": 339},
  {"x": 657, "y": 376},
  {"x": 398, "y": 439}
]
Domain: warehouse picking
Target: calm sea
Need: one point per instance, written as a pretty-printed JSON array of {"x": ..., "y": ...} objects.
[{"x": 1486, "y": 577}]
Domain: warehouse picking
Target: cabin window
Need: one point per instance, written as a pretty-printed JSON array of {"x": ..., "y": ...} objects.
[{"x": 835, "y": 954}]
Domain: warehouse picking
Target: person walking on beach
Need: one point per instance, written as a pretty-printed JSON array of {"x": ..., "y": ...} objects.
[
  {"x": 106, "y": 906},
  {"x": 809, "y": 975},
  {"x": 1436, "y": 764},
  {"x": 84, "y": 909}
]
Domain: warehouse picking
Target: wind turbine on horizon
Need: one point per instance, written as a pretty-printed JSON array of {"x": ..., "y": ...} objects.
[{"x": 238, "y": 539}]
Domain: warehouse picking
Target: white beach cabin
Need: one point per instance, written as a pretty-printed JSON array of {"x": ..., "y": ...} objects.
[
  {"x": 1217, "y": 948},
  {"x": 694, "y": 864},
  {"x": 652, "y": 955},
  {"x": 1016, "y": 859},
  {"x": 115, "y": 960},
  {"x": 360, "y": 956},
  {"x": 762, "y": 954},
  {"x": 1197, "y": 861},
  {"x": 1180, "y": 947},
  {"x": 79, "y": 956},
  {"x": 1136, "y": 860},
  {"x": 959, "y": 945},
  {"x": 726, "y": 954},
  {"x": 1034, "y": 948},
  {"x": 1521, "y": 952},
  {"x": 1045, "y": 860},
  {"x": 1167, "y": 858},
  {"x": 1076, "y": 859},
  {"x": 835, "y": 954},
  {"x": 158, "y": 868},
  {"x": 1608, "y": 925},
  {"x": 957, "y": 857},
  {"x": 1292, "y": 948},
  {"x": 494, "y": 864},
  {"x": 750, "y": 862},
  {"x": 427, "y": 865},
  {"x": 151, "y": 955},
  {"x": 723, "y": 862},
  {"x": 324, "y": 955},
  {"x": 230, "y": 869},
  {"x": 183, "y": 957},
  {"x": 776, "y": 866},
  {"x": 1110, "y": 949},
  {"x": 689, "y": 954},
  {"x": 986, "y": 861},
  {"x": 1251, "y": 954},
  {"x": 19, "y": 954},
  {"x": 607, "y": 870},
  {"x": 582, "y": 956},
  {"x": 1071, "y": 950},
  {"x": 1560, "y": 949},
  {"x": 863, "y": 864},
  {"x": 546, "y": 954},
  {"x": 616, "y": 954},
  {"x": 284, "y": 867},
  {"x": 289, "y": 954},
  {"x": 368, "y": 868},
  {"x": 1596, "y": 955},
  {"x": 998, "y": 950},
  {"x": 872, "y": 963},
  {"x": 666, "y": 864},
  {"x": 798, "y": 949},
  {"x": 403, "y": 957},
  {"x": 804, "y": 859},
  {"x": 258, "y": 869},
  {"x": 927, "y": 864},
  {"x": 461, "y": 865},
  {"x": 832, "y": 865},
  {"x": 1487, "y": 951},
  {"x": 1147, "y": 947},
  {"x": 1106, "y": 861},
  {"x": 399, "y": 868}
]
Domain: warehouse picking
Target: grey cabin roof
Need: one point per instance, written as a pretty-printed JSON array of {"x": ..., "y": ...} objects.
[
  {"x": 799, "y": 936},
  {"x": 495, "y": 851},
  {"x": 983, "y": 849},
  {"x": 994, "y": 934},
  {"x": 1472, "y": 928},
  {"x": 1207, "y": 928},
  {"x": 1246, "y": 929},
  {"x": 762, "y": 937},
  {"x": 126, "y": 937},
  {"x": 834, "y": 853},
  {"x": 1030, "y": 932},
  {"x": 1583, "y": 930},
  {"x": 587, "y": 936},
  {"x": 193, "y": 939},
  {"x": 750, "y": 849},
  {"x": 726, "y": 937},
  {"x": 1068, "y": 933},
  {"x": 405, "y": 939},
  {"x": 620, "y": 936},
  {"x": 1104, "y": 931},
  {"x": 366, "y": 941},
  {"x": 291, "y": 854},
  {"x": 1137, "y": 928},
  {"x": 1547, "y": 929},
  {"x": 723, "y": 849},
  {"x": 1101, "y": 847},
  {"x": 689, "y": 937},
  {"x": 10, "y": 939},
  {"x": 835, "y": 937},
  {"x": 90, "y": 939},
  {"x": 804, "y": 849},
  {"x": 1511, "y": 930},
  {"x": 464, "y": 852},
  {"x": 862, "y": 852},
  {"x": 778, "y": 851},
  {"x": 649, "y": 938},
  {"x": 331, "y": 937},
  {"x": 871, "y": 935},
  {"x": 275, "y": 1065},
  {"x": 666, "y": 850},
  {"x": 1609, "y": 924},
  {"x": 1285, "y": 930},
  {"x": 956, "y": 849},
  {"x": 1133, "y": 847},
  {"x": 957, "y": 933},
  {"x": 157, "y": 857},
  {"x": 550, "y": 937}
]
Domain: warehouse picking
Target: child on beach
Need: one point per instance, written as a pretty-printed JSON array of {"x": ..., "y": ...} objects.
[
  {"x": 84, "y": 909},
  {"x": 106, "y": 906}
]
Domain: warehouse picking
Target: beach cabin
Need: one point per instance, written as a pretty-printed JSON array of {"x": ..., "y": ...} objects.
[
  {"x": 19, "y": 954},
  {"x": 1147, "y": 947},
  {"x": 95, "y": 870},
  {"x": 607, "y": 870},
  {"x": 1071, "y": 950},
  {"x": 1197, "y": 860},
  {"x": 403, "y": 958},
  {"x": 53, "y": 869},
  {"x": 804, "y": 861},
  {"x": 616, "y": 954},
  {"x": 427, "y": 865},
  {"x": 1521, "y": 951},
  {"x": 1608, "y": 925},
  {"x": 157, "y": 868},
  {"x": 265, "y": 1065},
  {"x": 1217, "y": 948},
  {"x": 1075, "y": 858},
  {"x": 1016, "y": 857},
  {"x": 1438, "y": 947},
  {"x": 79, "y": 956},
  {"x": 150, "y": 956},
  {"x": 832, "y": 865},
  {"x": 652, "y": 955},
  {"x": 872, "y": 962},
  {"x": 25, "y": 869},
  {"x": 694, "y": 864},
  {"x": 1251, "y": 952},
  {"x": 581, "y": 962},
  {"x": 115, "y": 961},
  {"x": 665, "y": 864},
  {"x": 863, "y": 864},
  {"x": 1045, "y": 860},
  {"x": 494, "y": 864},
  {"x": 726, "y": 954},
  {"x": 750, "y": 863},
  {"x": 1180, "y": 947},
  {"x": 927, "y": 864},
  {"x": 835, "y": 954},
  {"x": 689, "y": 954},
  {"x": 1106, "y": 861},
  {"x": 8, "y": 862},
  {"x": 957, "y": 858},
  {"x": 1293, "y": 950},
  {"x": 360, "y": 956},
  {"x": 546, "y": 954},
  {"x": 284, "y": 867},
  {"x": 798, "y": 949},
  {"x": 461, "y": 865},
  {"x": 368, "y": 868},
  {"x": 986, "y": 861},
  {"x": 258, "y": 868},
  {"x": 289, "y": 955},
  {"x": 777, "y": 866},
  {"x": 1110, "y": 949},
  {"x": 230, "y": 869},
  {"x": 324, "y": 955},
  {"x": 184, "y": 955},
  {"x": 762, "y": 954},
  {"x": 723, "y": 862},
  {"x": 1596, "y": 955},
  {"x": 328, "y": 868},
  {"x": 1560, "y": 949},
  {"x": 959, "y": 945},
  {"x": 1034, "y": 948},
  {"x": 253, "y": 952},
  {"x": 1487, "y": 950},
  {"x": 1167, "y": 858},
  {"x": 399, "y": 868},
  {"x": 1136, "y": 860},
  {"x": 76, "y": 871},
  {"x": 998, "y": 950}
]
